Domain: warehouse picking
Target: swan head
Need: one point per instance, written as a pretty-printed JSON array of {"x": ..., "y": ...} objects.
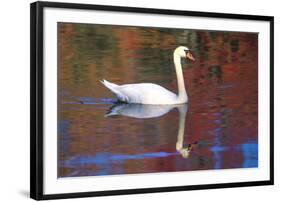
[{"x": 184, "y": 52}]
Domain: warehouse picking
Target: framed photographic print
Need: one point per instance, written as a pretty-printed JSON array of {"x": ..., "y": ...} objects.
[{"x": 134, "y": 100}]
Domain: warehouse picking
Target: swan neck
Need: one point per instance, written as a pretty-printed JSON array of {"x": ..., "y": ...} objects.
[{"x": 182, "y": 95}]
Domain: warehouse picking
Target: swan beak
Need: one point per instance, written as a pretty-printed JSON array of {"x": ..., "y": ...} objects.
[{"x": 190, "y": 56}]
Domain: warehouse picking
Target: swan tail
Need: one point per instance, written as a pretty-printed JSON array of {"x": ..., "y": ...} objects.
[
  {"x": 111, "y": 86},
  {"x": 114, "y": 89}
]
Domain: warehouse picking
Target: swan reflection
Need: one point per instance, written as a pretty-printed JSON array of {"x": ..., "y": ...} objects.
[{"x": 141, "y": 111}]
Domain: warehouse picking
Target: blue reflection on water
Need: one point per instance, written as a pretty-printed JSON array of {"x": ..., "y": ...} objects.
[
  {"x": 217, "y": 150},
  {"x": 63, "y": 130},
  {"x": 104, "y": 158},
  {"x": 249, "y": 152},
  {"x": 92, "y": 101},
  {"x": 121, "y": 157}
]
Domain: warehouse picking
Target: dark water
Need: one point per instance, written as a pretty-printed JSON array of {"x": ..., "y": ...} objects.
[{"x": 217, "y": 129}]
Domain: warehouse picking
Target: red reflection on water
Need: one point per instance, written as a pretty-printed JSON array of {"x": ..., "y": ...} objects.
[{"x": 222, "y": 112}]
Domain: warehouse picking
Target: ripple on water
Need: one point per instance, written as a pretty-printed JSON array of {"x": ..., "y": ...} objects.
[{"x": 91, "y": 101}]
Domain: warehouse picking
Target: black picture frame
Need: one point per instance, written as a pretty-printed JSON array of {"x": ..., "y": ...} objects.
[{"x": 37, "y": 99}]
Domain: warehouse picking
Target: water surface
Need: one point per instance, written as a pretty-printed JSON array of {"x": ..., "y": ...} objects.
[{"x": 217, "y": 129}]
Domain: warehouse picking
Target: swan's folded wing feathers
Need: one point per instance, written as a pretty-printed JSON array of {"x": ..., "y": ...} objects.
[{"x": 145, "y": 93}]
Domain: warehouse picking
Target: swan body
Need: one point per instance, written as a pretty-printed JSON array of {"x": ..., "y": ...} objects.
[
  {"x": 149, "y": 93},
  {"x": 142, "y": 93}
]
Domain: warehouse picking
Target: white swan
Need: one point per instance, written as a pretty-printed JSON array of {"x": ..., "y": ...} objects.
[{"x": 149, "y": 93}]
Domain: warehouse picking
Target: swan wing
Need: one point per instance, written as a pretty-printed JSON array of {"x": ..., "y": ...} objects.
[
  {"x": 147, "y": 93},
  {"x": 142, "y": 93}
]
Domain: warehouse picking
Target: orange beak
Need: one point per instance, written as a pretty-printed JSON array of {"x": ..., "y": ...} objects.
[{"x": 190, "y": 56}]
